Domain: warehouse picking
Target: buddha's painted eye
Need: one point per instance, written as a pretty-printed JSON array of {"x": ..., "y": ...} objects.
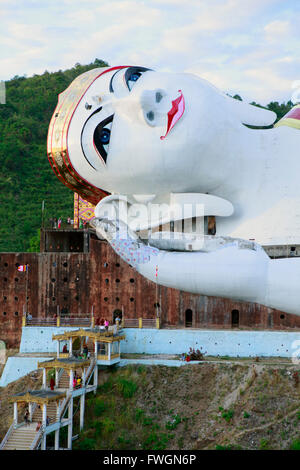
[
  {"x": 102, "y": 137},
  {"x": 105, "y": 136},
  {"x": 132, "y": 75},
  {"x": 132, "y": 79}
]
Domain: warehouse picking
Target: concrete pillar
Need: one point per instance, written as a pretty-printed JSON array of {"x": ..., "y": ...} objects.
[
  {"x": 58, "y": 345},
  {"x": 119, "y": 348},
  {"x": 71, "y": 379},
  {"x": 82, "y": 405},
  {"x": 109, "y": 351},
  {"x": 70, "y": 426},
  {"x": 83, "y": 378},
  {"x": 56, "y": 377},
  {"x": 44, "y": 378},
  {"x": 96, "y": 377},
  {"x": 30, "y": 411},
  {"x": 44, "y": 418},
  {"x": 70, "y": 347},
  {"x": 56, "y": 439},
  {"x": 15, "y": 413}
]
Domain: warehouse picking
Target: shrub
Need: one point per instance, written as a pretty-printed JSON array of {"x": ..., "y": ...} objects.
[
  {"x": 139, "y": 413},
  {"x": 295, "y": 445},
  {"x": 227, "y": 415},
  {"x": 87, "y": 444},
  {"x": 100, "y": 407},
  {"x": 126, "y": 387},
  {"x": 264, "y": 444},
  {"x": 108, "y": 426},
  {"x": 219, "y": 447},
  {"x": 174, "y": 422}
]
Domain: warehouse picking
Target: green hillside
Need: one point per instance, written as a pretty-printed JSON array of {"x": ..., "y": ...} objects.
[{"x": 26, "y": 178}]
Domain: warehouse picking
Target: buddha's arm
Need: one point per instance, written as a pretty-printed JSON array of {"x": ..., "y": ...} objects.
[{"x": 237, "y": 270}]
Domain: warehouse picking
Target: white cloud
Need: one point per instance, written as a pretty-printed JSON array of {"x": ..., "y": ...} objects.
[{"x": 247, "y": 46}]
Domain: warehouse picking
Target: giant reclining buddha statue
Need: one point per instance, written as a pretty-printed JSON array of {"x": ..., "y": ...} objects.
[{"x": 154, "y": 149}]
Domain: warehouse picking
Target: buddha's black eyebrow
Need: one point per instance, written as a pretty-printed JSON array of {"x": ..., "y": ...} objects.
[
  {"x": 128, "y": 72},
  {"x": 111, "y": 80}
]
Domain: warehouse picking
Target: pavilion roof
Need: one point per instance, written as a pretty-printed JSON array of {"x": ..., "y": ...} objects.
[
  {"x": 37, "y": 396},
  {"x": 93, "y": 333},
  {"x": 64, "y": 363}
]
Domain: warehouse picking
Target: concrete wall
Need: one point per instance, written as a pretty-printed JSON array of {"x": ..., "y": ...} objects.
[
  {"x": 172, "y": 341},
  {"x": 211, "y": 342},
  {"x": 17, "y": 367},
  {"x": 37, "y": 339}
]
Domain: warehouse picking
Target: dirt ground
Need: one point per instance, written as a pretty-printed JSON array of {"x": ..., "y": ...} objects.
[{"x": 227, "y": 404}]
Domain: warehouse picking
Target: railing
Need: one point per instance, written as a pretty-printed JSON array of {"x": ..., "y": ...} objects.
[
  {"x": 130, "y": 323},
  {"x": 75, "y": 321},
  {"x": 70, "y": 319},
  {"x": 7, "y": 435},
  {"x": 141, "y": 323},
  {"x": 90, "y": 370},
  {"x": 149, "y": 323},
  {"x": 41, "y": 322},
  {"x": 37, "y": 440}
]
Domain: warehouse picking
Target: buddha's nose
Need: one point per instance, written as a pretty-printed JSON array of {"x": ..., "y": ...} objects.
[{"x": 155, "y": 105}]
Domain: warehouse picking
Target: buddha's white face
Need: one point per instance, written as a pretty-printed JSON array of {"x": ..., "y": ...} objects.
[{"x": 136, "y": 131}]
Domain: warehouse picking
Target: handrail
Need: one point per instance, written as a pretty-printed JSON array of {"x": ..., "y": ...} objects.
[
  {"x": 65, "y": 404},
  {"x": 37, "y": 438},
  {"x": 7, "y": 435},
  {"x": 90, "y": 370}
]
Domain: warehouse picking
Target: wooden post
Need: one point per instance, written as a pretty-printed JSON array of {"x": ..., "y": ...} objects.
[
  {"x": 140, "y": 323},
  {"x": 24, "y": 319},
  {"x": 157, "y": 323}
]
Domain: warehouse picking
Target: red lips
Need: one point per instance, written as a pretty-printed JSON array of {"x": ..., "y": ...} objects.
[{"x": 175, "y": 113}]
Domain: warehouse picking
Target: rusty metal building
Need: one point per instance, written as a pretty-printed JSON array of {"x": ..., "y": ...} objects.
[{"x": 77, "y": 272}]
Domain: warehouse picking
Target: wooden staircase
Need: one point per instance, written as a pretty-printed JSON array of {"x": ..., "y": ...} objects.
[{"x": 21, "y": 438}]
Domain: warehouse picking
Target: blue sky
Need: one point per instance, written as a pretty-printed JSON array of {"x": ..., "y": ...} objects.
[{"x": 250, "y": 47}]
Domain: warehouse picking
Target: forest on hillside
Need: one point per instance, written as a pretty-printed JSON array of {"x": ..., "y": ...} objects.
[{"x": 26, "y": 178}]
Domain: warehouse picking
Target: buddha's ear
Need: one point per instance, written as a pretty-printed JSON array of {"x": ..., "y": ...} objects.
[{"x": 250, "y": 114}]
